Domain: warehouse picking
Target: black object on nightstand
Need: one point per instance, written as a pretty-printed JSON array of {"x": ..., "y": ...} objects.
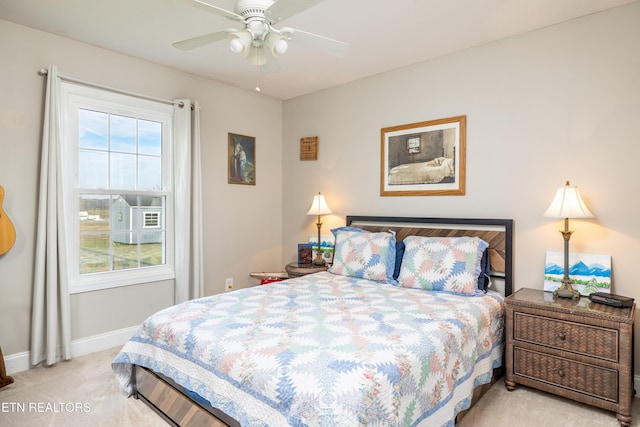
[
  {"x": 572, "y": 348},
  {"x": 611, "y": 299}
]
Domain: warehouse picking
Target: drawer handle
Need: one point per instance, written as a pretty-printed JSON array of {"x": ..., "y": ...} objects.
[
  {"x": 561, "y": 336},
  {"x": 561, "y": 373}
]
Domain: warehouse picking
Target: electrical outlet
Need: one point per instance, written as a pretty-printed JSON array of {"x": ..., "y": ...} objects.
[{"x": 228, "y": 284}]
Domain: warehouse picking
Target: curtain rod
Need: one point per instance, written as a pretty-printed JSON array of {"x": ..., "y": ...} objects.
[{"x": 44, "y": 72}]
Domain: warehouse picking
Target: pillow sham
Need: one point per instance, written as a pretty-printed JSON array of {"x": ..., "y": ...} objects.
[
  {"x": 449, "y": 264},
  {"x": 347, "y": 228},
  {"x": 365, "y": 255}
]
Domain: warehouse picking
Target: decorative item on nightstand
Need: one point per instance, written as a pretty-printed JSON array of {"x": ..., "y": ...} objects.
[
  {"x": 319, "y": 207},
  {"x": 305, "y": 253},
  {"x": 566, "y": 204}
]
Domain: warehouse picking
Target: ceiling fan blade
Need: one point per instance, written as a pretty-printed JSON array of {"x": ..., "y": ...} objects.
[
  {"x": 320, "y": 43},
  {"x": 283, "y": 9},
  {"x": 211, "y": 9},
  {"x": 199, "y": 41}
]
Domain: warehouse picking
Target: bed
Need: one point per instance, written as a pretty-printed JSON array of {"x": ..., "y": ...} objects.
[
  {"x": 431, "y": 172},
  {"x": 336, "y": 348}
]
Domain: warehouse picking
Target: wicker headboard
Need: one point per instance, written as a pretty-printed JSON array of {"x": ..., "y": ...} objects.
[{"x": 497, "y": 232}]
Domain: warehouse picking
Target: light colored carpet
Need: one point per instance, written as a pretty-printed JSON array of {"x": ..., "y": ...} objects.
[
  {"x": 81, "y": 392},
  {"x": 84, "y": 392},
  {"x": 527, "y": 407}
]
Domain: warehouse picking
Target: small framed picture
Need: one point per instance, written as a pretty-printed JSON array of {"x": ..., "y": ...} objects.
[
  {"x": 242, "y": 159},
  {"x": 327, "y": 247},
  {"x": 305, "y": 253}
]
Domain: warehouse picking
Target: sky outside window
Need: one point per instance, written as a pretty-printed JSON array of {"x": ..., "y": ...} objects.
[{"x": 119, "y": 152}]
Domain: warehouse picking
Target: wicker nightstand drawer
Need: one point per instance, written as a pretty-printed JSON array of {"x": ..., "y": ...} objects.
[
  {"x": 579, "y": 338},
  {"x": 581, "y": 377}
]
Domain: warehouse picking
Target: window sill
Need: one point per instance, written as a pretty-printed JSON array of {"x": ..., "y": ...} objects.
[{"x": 100, "y": 281}]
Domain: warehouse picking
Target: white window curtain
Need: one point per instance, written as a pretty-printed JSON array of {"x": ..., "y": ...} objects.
[
  {"x": 51, "y": 314},
  {"x": 188, "y": 201}
]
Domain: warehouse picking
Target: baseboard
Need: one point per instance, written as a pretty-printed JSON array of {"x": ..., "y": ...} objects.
[{"x": 19, "y": 362}]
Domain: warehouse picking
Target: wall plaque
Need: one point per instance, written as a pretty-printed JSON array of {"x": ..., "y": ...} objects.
[{"x": 309, "y": 148}]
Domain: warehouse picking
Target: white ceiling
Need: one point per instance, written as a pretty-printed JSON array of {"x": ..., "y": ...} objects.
[{"x": 383, "y": 34}]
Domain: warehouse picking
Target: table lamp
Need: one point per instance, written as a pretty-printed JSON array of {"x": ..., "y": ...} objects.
[
  {"x": 319, "y": 207},
  {"x": 566, "y": 204}
]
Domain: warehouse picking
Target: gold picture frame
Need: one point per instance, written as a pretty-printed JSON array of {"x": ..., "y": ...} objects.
[
  {"x": 424, "y": 159},
  {"x": 242, "y": 159}
]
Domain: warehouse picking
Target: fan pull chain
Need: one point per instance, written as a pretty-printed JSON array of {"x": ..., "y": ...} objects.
[{"x": 257, "y": 78}]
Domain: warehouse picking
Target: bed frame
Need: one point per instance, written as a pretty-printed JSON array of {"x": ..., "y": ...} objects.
[{"x": 176, "y": 407}]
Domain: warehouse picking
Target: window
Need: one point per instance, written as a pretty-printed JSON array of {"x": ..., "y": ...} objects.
[
  {"x": 413, "y": 145},
  {"x": 151, "y": 219},
  {"x": 118, "y": 183}
]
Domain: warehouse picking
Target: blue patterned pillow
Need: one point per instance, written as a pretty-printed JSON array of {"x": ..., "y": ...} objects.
[
  {"x": 365, "y": 255},
  {"x": 449, "y": 264},
  {"x": 484, "y": 279}
]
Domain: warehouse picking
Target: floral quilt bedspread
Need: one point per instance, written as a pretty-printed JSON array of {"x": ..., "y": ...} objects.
[{"x": 326, "y": 350}]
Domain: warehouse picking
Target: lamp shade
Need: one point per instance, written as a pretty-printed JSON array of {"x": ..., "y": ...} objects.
[
  {"x": 240, "y": 41},
  {"x": 319, "y": 206},
  {"x": 277, "y": 44},
  {"x": 567, "y": 203},
  {"x": 256, "y": 56}
]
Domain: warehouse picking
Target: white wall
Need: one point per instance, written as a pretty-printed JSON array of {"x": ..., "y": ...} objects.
[
  {"x": 237, "y": 241},
  {"x": 562, "y": 103}
]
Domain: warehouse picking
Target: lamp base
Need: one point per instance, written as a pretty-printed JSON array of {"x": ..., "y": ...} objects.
[
  {"x": 318, "y": 260},
  {"x": 566, "y": 291}
]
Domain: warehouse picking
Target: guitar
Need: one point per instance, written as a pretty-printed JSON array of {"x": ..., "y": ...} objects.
[
  {"x": 7, "y": 230},
  {"x": 4, "y": 378}
]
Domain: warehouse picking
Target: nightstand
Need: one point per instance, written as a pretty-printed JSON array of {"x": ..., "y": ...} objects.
[
  {"x": 573, "y": 348},
  {"x": 296, "y": 270}
]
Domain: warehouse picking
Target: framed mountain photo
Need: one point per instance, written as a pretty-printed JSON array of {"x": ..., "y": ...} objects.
[{"x": 589, "y": 272}]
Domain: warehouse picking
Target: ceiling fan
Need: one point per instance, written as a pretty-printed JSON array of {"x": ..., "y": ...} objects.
[{"x": 258, "y": 38}]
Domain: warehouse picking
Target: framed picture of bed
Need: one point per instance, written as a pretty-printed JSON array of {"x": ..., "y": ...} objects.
[
  {"x": 424, "y": 159},
  {"x": 242, "y": 159}
]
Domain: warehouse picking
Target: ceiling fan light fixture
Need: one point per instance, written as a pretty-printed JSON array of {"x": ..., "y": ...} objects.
[
  {"x": 256, "y": 56},
  {"x": 239, "y": 42},
  {"x": 236, "y": 46},
  {"x": 281, "y": 46},
  {"x": 277, "y": 44},
  {"x": 257, "y": 39}
]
